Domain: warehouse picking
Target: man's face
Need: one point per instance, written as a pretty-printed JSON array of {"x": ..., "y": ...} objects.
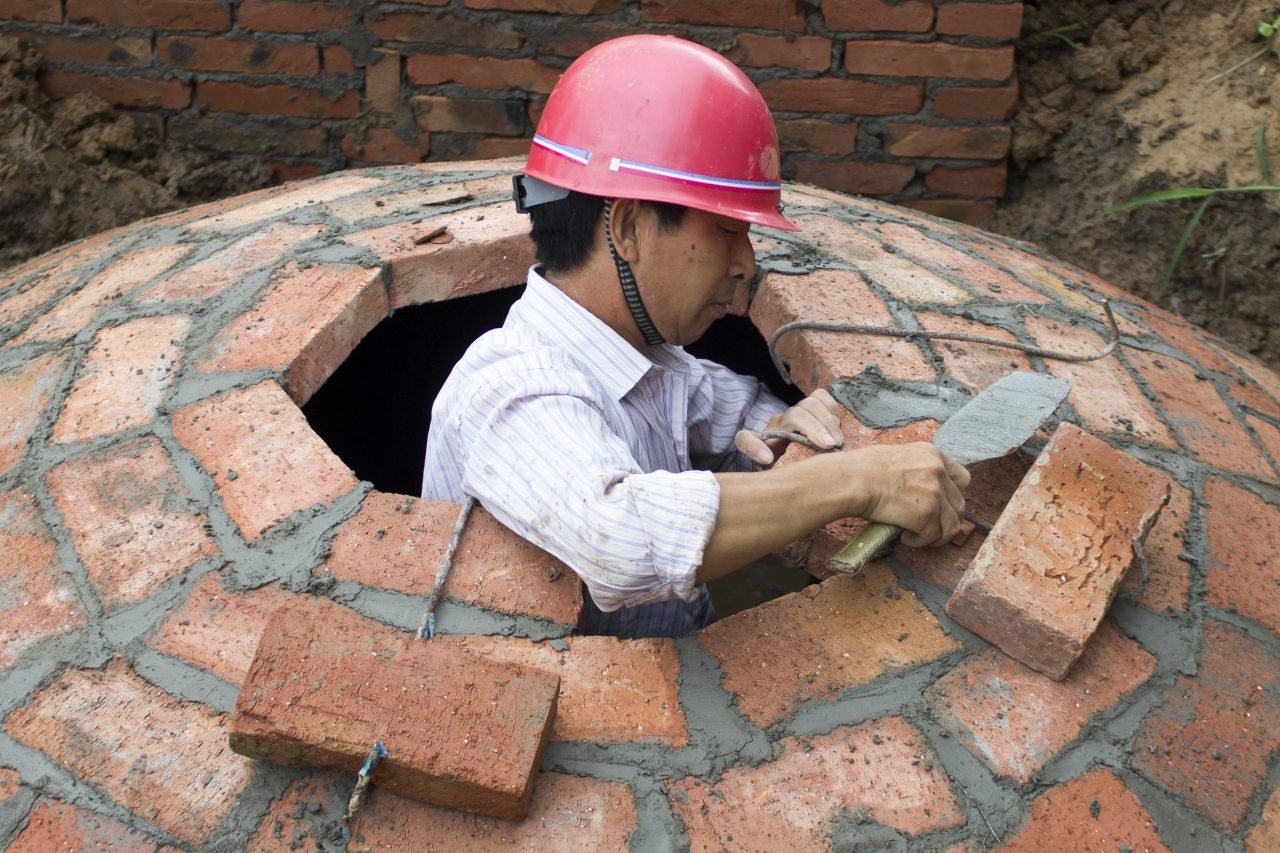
[{"x": 689, "y": 277}]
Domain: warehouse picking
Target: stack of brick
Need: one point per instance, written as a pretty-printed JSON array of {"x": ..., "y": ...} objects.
[
  {"x": 908, "y": 100},
  {"x": 162, "y": 495}
]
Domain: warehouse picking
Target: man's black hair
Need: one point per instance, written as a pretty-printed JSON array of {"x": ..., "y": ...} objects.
[{"x": 563, "y": 230}]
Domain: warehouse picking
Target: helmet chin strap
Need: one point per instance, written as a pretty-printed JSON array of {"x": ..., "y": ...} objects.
[{"x": 629, "y": 290}]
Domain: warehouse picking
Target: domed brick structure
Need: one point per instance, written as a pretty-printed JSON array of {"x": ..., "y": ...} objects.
[{"x": 161, "y": 494}]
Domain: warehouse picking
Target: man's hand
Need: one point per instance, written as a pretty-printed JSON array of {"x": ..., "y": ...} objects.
[
  {"x": 816, "y": 417},
  {"x": 916, "y": 487}
]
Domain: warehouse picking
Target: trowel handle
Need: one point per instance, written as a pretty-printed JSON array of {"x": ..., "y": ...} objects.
[{"x": 864, "y": 548}]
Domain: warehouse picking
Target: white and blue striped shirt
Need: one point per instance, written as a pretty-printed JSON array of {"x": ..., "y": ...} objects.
[{"x": 596, "y": 453}]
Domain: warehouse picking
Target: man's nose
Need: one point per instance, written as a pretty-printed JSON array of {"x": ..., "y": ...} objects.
[{"x": 742, "y": 260}]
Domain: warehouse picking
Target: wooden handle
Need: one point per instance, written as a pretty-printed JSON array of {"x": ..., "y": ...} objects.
[{"x": 868, "y": 544}]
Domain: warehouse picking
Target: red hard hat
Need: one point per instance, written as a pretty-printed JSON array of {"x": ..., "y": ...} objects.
[{"x": 659, "y": 118}]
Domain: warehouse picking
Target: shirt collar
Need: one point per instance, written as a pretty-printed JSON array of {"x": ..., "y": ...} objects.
[{"x": 560, "y": 320}]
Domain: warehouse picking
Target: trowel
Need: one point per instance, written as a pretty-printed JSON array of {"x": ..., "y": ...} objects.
[{"x": 996, "y": 422}]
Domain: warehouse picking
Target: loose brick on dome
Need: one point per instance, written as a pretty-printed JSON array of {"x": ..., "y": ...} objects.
[
  {"x": 459, "y": 731},
  {"x": 1042, "y": 581},
  {"x": 1091, "y": 812},
  {"x": 882, "y": 768},
  {"x": 174, "y": 770},
  {"x": 1016, "y": 721}
]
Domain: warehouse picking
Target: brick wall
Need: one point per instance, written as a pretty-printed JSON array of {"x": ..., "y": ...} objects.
[{"x": 906, "y": 99}]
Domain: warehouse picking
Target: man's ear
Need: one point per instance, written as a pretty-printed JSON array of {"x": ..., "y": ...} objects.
[{"x": 624, "y": 221}]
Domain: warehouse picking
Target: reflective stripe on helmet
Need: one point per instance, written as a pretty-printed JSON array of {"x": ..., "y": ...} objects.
[
  {"x": 577, "y": 155},
  {"x": 617, "y": 164}
]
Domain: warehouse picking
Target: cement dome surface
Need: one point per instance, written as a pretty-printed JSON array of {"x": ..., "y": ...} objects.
[{"x": 161, "y": 495}]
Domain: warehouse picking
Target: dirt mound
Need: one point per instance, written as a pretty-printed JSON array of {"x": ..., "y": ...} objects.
[
  {"x": 1122, "y": 99},
  {"x": 76, "y": 167}
]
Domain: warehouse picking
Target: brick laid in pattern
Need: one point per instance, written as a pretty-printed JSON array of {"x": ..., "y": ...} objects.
[
  {"x": 1040, "y": 584},
  {"x": 1091, "y": 812},
  {"x": 460, "y": 731}
]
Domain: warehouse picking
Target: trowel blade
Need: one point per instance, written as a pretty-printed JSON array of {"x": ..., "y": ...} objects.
[{"x": 1001, "y": 418}]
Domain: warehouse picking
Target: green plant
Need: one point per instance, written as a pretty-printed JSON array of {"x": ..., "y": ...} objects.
[
  {"x": 1062, "y": 34},
  {"x": 1207, "y": 195},
  {"x": 1267, "y": 30}
]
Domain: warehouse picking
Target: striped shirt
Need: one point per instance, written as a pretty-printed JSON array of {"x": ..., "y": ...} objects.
[{"x": 597, "y": 453}]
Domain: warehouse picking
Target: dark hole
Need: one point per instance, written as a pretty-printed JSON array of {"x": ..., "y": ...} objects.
[{"x": 375, "y": 410}]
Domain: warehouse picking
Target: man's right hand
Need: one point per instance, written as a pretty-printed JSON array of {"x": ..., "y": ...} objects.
[{"x": 913, "y": 486}]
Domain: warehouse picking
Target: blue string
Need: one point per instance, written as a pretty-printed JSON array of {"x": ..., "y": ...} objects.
[
  {"x": 428, "y": 628},
  {"x": 368, "y": 762}
]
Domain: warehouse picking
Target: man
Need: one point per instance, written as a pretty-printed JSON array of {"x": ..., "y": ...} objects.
[{"x": 583, "y": 426}]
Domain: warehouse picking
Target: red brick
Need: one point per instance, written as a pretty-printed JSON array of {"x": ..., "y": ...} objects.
[
  {"x": 882, "y": 768},
  {"x": 43, "y": 11},
  {"x": 786, "y": 15},
  {"x": 25, "y": 391},
  {"x": 587, "y": 813},
  {"x": 817, "y": 136},
  {"x": 1015, "y": 720},
  {"x": 928, "y": 59},
  {"x": 255, "y": 57},
  {"x": 280, "y": 203},
  {"x": 175, "y": 771},
  {"x": 55, "y": 825},
  {"x": 1265, "y": 837},
  {"x": 483, "y": 148},
  {"x": 1180, "y": 334},
  {"x": 120, "y": 91},
  {"x": 288, "y": 172},
  {"x": 39, "y": 600},
  {"x": 981, "y": 277},
  {"x": 1209, "y": 737},
  {"x": 416, "y": 29},
  {"x": 866, "y": 248},
  {"x": 218, "y": 630},
  {"x": 45, "y": 289},
  {"x": 993, "y": 483},
  {"x": 1243, "y": 571},
  {"x": 851, "y": 176},
  {"x": 120, "y": 52},
  {"x": 555, "y": 7},
  {"x": 1103, "y": 392},
  {"x": 459, "y": 731},
  {"x": 382, "y": 81},
  {"x": 385, "y": 145},
  {"x": 122, "y": 378},
  {"x": 277, "y": 99},
  {"x": 611, "y": 691},
  {"x": 481, "y": 249},
  {"x": 976, "y": 213},
  {"x": 73, "y": 313},
  {"x": 975, "y": 104},
  {"x": 817, "y": 358},
  {"x": 867, "y": 16},
  {"x": 806, "y": 53},
  {"x": 988, "y": 20},
  {"x": 976, "y": 365},
  {"x": 130, "y": 518},
  {"x": 264, "y": 458},
  {"x": 958, "y": 143},
  {"x": 10, "y": 784},
  {"x": 1199, "y": 415},
  {"x": 832, "y": 95},
  {"x": 1031, "y": 269},
  {"x": 276, "y": 16},
  {"x": 503, "y": 116},
  {"x": 1266, "y": 378},
  {"x": 1269, "y": 434},
  {"x": 1041, "y": 583},
  {"x": 162, "y": 14},
  {"x": 481, "y": 72},
  {"x": 1169, "y": 583},
  {"x": 304, "y": 326},
  {"x": 978, "y": 180},
  {"x": 337, "y": 60},
  {"x": 226, "y": 267},
  {"x": 1091, "y": 812},
  {"x": 395, "y": 542},
  {"x": 817, "y": 643}
]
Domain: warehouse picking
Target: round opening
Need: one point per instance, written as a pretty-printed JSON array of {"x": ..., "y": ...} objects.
[{"x": 375, "y": 410}]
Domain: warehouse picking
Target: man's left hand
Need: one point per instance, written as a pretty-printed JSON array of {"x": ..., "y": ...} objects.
[{"x": 816, "y": 417}]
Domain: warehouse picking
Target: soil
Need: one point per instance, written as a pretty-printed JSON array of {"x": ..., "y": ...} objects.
[
  {"x": 1130, "y": 98},
  {"x": 75, "y": 167},
  {"x": 1126, "y": 98}
]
